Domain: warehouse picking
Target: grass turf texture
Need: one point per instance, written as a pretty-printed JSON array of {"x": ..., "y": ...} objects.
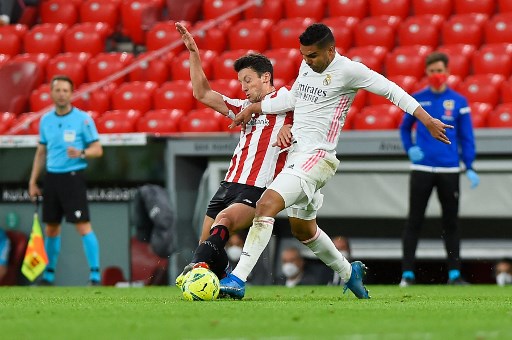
[{"x": 419, "y": 312}]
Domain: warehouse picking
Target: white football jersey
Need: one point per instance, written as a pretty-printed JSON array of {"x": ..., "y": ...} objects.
[{"x": 321, "y": 101}]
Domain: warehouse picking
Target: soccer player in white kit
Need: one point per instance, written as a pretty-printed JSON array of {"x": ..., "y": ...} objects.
[{"x": 320, "y": 97}]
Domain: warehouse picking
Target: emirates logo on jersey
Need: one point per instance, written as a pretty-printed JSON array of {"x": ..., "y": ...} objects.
[{"x": 327, "y": 80}]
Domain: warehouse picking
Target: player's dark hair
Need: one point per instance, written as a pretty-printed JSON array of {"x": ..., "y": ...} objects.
[
  {"x": 435, "y": 57},
  {"x": 317, "y": 34},
  {"x": 257, "y": 62},
  {"x": 63, "y": 78}
]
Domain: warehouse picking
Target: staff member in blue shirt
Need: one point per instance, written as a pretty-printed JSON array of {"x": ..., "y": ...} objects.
[
  {"x": 68, "y": 137},
  {"x": 437, "y": 165},
  {"x": 5, "y": 249}
]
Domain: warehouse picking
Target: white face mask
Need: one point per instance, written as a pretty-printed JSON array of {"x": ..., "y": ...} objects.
[
  {"x": 234, "y": 253},
  {"x": 504, "y": 279},
  {"x": 290, "y": 269}
]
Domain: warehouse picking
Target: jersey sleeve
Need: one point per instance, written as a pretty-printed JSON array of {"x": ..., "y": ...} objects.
[
  {"x": 282, "y": 102},
  {"x": 361, "y": 77},
  {"x": 235, "y": 105},
  {"x": 466, "y": 135},
  {"x": 90, "y": 131}
]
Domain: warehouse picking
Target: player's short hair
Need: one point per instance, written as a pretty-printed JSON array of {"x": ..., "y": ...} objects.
[
  {"x": 435, "y": 57},
  {"x": 257, "y": 62},
  {"x": 317, "y": 34},
  {"x": 63, "y": 78}
]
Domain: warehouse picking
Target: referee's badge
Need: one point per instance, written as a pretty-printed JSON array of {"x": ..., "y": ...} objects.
[{"x": 327, "y": 80}]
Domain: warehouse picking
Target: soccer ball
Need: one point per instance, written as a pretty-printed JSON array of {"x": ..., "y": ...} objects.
[{"x": 201, "y": 285}]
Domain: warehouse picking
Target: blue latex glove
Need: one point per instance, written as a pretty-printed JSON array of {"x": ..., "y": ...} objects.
[
  {"x": 415, "y": 153},
  {"x": 473, "y": 178}
]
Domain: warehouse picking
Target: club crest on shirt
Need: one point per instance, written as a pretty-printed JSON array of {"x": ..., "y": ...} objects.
[
  {"x": 327, "y": 80},
  {"x": 449, "y": 104}
]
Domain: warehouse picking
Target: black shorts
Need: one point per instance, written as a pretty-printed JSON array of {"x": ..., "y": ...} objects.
[
  {"x": 65, "y": 194},
  {"x": 230, "y": 193}
]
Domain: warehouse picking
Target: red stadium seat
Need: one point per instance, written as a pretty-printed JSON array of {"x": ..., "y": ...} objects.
[
  {"x": 223, "y": 64},
  {"x": 10, "y": 43},
  {"x": 419, "y": 30},
  {"x": 482, "y": 88},
  {"x": 155, "y": 70},
  {"x": 272, "y": 10},
  {"x": 213, "y": 38},
  {"x": 71, "y": 64},
  {"x": 160, "y": 121},
  {"x": 438, "y": 7},
  {"x": 228, "y": 87},
  {"x": 492, "y": 62},
  {"x": 163, "y": 34},
  {"x": 180, "y": 65},
  {"x": 146, "y": 266},
  {"x": 378, "y": 117},
  {"x": 314, "y": 9},
  {"x": 19, "y": 29},
  {"x": 41, "y": 59},
  {"x": 285, "y": 34},
  {"x": 138, "y": 16},
  {"x": 462, "y": 49},
  {"x": 499, "y": 29},
  {"x": 83, "y": 38},
  {"x": 376, "y": 31},
  {"x": 100, "y": 11},
  {"x": 174, "y": 95},
  {"x": 505, "y": 6},
  {"x": 286, "y": 63},
  {"x": 40, "y": 98},
  {"x": 407, "y": 61},
  {"x": 343, "y": 31},
  {"x": 479, "y": 114},
  {"x": 6, "y": 121},
  {"x": 371, "y": 56},
  {"x": 486, "y": 7},
  {"x": 250, "y": 34},
  {"x": 118, "y": 121},
  {"x": 45, "y": 38},
  {"x": 501, "y": 117},
  {"x": 106, "y": 64},
  {"x": 97, "y": 100},
  {"x": 215, "y": 8},
  {"x": 360, "y": 99},
  {"x": 134, "y": 95},
  {"x": 408, "y": 83},
  {"x": 18, "y": 80},
  {"x": 202, "y": 120},
  {"x": 463, "y": 29},
  {"x": 355, "y": 8},
  {"x": 18, "y": 246},
  {"x": 26, "y": 124},
  {"x": 398, "y": 8},
  {"x": 506, "y": 91},
  {"x": 4, "y": 58},
  {"x": 58, "y": 11}
]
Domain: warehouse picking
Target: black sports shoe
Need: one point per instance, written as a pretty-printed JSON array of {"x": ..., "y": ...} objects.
[{"x": 94, "y": 283}]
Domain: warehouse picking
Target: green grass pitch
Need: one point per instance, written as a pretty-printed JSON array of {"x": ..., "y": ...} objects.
[{"x": 420, "y": 312}]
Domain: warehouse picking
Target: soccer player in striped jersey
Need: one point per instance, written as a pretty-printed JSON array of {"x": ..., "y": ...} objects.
[
  {"x": 320, "y": 97},
  {"x": 255, "y": 161}
]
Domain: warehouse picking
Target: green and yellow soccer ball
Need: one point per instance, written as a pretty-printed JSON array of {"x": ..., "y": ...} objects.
[{"x": 201, "y": 285}]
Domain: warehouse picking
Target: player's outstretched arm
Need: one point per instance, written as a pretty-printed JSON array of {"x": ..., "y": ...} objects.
[
  {"x": 200, "y": 85},
  {"x": 436, "y": 127}
]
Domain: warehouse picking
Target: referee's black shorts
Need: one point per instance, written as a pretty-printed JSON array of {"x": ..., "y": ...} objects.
[
  {"x": 230, "y": 193},
  {"x": 65, "y": 194}
]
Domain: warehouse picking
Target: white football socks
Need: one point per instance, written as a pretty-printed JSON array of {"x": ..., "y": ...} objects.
[
  {"x": 325, "y": 250},
  {"x": 256, "y": 241}
]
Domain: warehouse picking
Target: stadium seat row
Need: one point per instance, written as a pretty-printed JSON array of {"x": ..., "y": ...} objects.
[{"x": 164, "y": 121}]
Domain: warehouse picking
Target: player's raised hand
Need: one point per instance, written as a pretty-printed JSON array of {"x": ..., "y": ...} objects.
[
  {"x": 284, "y": 137},
  {"x": 187, "y": 38}
]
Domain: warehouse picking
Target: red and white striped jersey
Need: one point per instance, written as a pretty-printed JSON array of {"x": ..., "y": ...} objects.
[{"x": 255, "y": 161}]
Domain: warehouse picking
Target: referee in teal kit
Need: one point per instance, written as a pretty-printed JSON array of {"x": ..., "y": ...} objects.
[{"x": 68, "y": 137}]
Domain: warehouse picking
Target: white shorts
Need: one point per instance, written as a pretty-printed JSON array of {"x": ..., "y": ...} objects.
[{"x": 301, "y": 180}]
